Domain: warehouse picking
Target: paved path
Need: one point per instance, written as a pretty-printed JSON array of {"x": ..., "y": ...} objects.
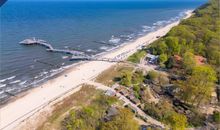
[{"x": 127, "y": 101}]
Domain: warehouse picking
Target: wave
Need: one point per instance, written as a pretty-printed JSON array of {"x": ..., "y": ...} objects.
[
  {"x": 104, "y": 48},
  {"x": 146, "y": 28},
  {"x": 90, "y": 50},
  {"x": 2, "y": 85},
  {"x": 3, "y": 80},
  {"x": 32, "y": 66},
  {"x": 162, "y": 23},
  {"x": 65, "y": 57},
  {"x": 1, "y": 92},
  {"x": 11, "y": 89},
  {"x": 22, "y": 83},
  {"x": 10, "y": 78},
  {"x": 2, "y": 96},
  {"x": 16, "y": 81},
  {"x": 114, "y": 40}
]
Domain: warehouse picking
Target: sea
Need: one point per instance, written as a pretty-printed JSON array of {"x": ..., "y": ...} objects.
[{"x": 89, "y": 26}]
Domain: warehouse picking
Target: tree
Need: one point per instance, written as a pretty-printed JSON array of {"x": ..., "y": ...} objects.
[
  {"x": 162, "y": 58},
  {"x": 126, "y": 78},
  {"x": 173, "y": 45},
  {"x": 189, "y": 61},
  {"x": 162, "y": 48},
  {"x": 170, "y": 62},
  {"x": 163, "y": 79},
  {"x": 136, "y": 57},
  {"x": 176, "y": 121},
  {"x": 153, "y": 75},
  {"x": 123, "y": 121},
  {"x": 199, "y": 48},
  {"x": 182, "y": 31},
  {"x": 199, "y": 86},
  {"x": 137, "y": 77},
  {"x": 216, "y": 116}
]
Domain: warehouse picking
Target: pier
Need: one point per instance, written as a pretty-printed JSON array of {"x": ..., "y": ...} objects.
[
  {"x": 76, "y": 55},
  {"x": 90, "y": 58},
  {"x": 34, "y": 41}
]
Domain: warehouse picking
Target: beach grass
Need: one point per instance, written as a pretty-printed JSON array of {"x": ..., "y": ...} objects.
[{"x": 81, "y": 98}]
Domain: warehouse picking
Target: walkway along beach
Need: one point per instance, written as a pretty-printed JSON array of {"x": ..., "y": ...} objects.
[{"x": 12, "y": 114}]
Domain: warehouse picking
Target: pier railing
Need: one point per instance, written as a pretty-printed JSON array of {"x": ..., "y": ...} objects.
[{"x": 49, "y": 47}]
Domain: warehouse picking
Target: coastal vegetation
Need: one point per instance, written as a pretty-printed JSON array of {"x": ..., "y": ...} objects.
[
  {"x": 95, "y": 116},
  {"x": 137, "y": 56},
  {"x": 87, "y": 109},
  {"x": 87, "y": 117},
  {"x": 196, "y": 35},
  {"x": 84, "y": 96},
  {"x": 163, "y": 111},
  {"x": 190, "y": 55},
  {"x": 109, "y": 76}
]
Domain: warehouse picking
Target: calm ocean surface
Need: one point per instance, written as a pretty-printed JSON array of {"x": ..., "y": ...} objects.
[{"x": 78, "y": 25}]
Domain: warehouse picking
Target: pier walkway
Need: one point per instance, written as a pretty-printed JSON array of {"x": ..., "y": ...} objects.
[
  {"x": 49, "y": 47},
  {"x": 76, "y": 55}
]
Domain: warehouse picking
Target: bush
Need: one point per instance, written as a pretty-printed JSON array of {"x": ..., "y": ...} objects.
[
  {"x": 136, "y": 57},
  {"x": 216, "y": 117},
  {"x": 163, "y": 58},
  {"x": 153, "y": 75}
]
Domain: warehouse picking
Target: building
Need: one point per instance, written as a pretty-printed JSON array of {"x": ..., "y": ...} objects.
[
  {"x": 110, "y": 113},
  {"x": 152, "y": 59},
  {"x": 131, "y": 96},
  {"x": 200, "y": 60},
  {"x": 124, "y": 92},
  {"x": 115, "y": 86},
  {"x": 110, "y": 93},
  {"x": 136, "y": 101}
]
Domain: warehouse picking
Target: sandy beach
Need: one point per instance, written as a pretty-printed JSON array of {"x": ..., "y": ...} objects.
[{"x": 12, "y": 114}]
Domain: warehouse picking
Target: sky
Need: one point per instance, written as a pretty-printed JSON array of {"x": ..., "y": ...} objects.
[{"x": 103, "y": 0}]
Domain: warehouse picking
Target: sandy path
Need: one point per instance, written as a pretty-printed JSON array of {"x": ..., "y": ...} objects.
[{"x": 15, "y": 112}]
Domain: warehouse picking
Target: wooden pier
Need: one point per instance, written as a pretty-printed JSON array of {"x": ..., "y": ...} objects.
[
  {"x": 49, "y": 47},
  {"x": 76, "y": 55},
  {"x": 90, "y": 58}
]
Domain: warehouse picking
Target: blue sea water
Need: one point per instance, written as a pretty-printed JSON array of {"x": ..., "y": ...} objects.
[{"x": 78, "y": 25}]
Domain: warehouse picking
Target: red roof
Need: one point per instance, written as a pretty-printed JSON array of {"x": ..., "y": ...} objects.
[
  {"x": 177, "y": 57},
  {"x": 200, "y": 60}
]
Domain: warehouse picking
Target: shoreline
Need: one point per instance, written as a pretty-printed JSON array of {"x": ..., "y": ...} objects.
[{"x": 66, "y": 82}]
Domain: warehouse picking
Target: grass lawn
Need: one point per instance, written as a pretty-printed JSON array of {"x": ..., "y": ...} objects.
[{"x": 109, "y": 76}]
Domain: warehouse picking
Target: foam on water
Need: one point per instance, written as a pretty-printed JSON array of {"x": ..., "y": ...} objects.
[
  {"x": 22, "y": 83},
  {"x": 3, "y": 80},
  {"x": 2, "y": 85},
  {"x": 65, "y": 57},
  {"x": 114, "y": 40},
  {"x": 91, "y": 50},
  {"x": 104, "y": 48},
  {"x": 16, "y": 81},
  {"x": 10, "y": 78}
]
